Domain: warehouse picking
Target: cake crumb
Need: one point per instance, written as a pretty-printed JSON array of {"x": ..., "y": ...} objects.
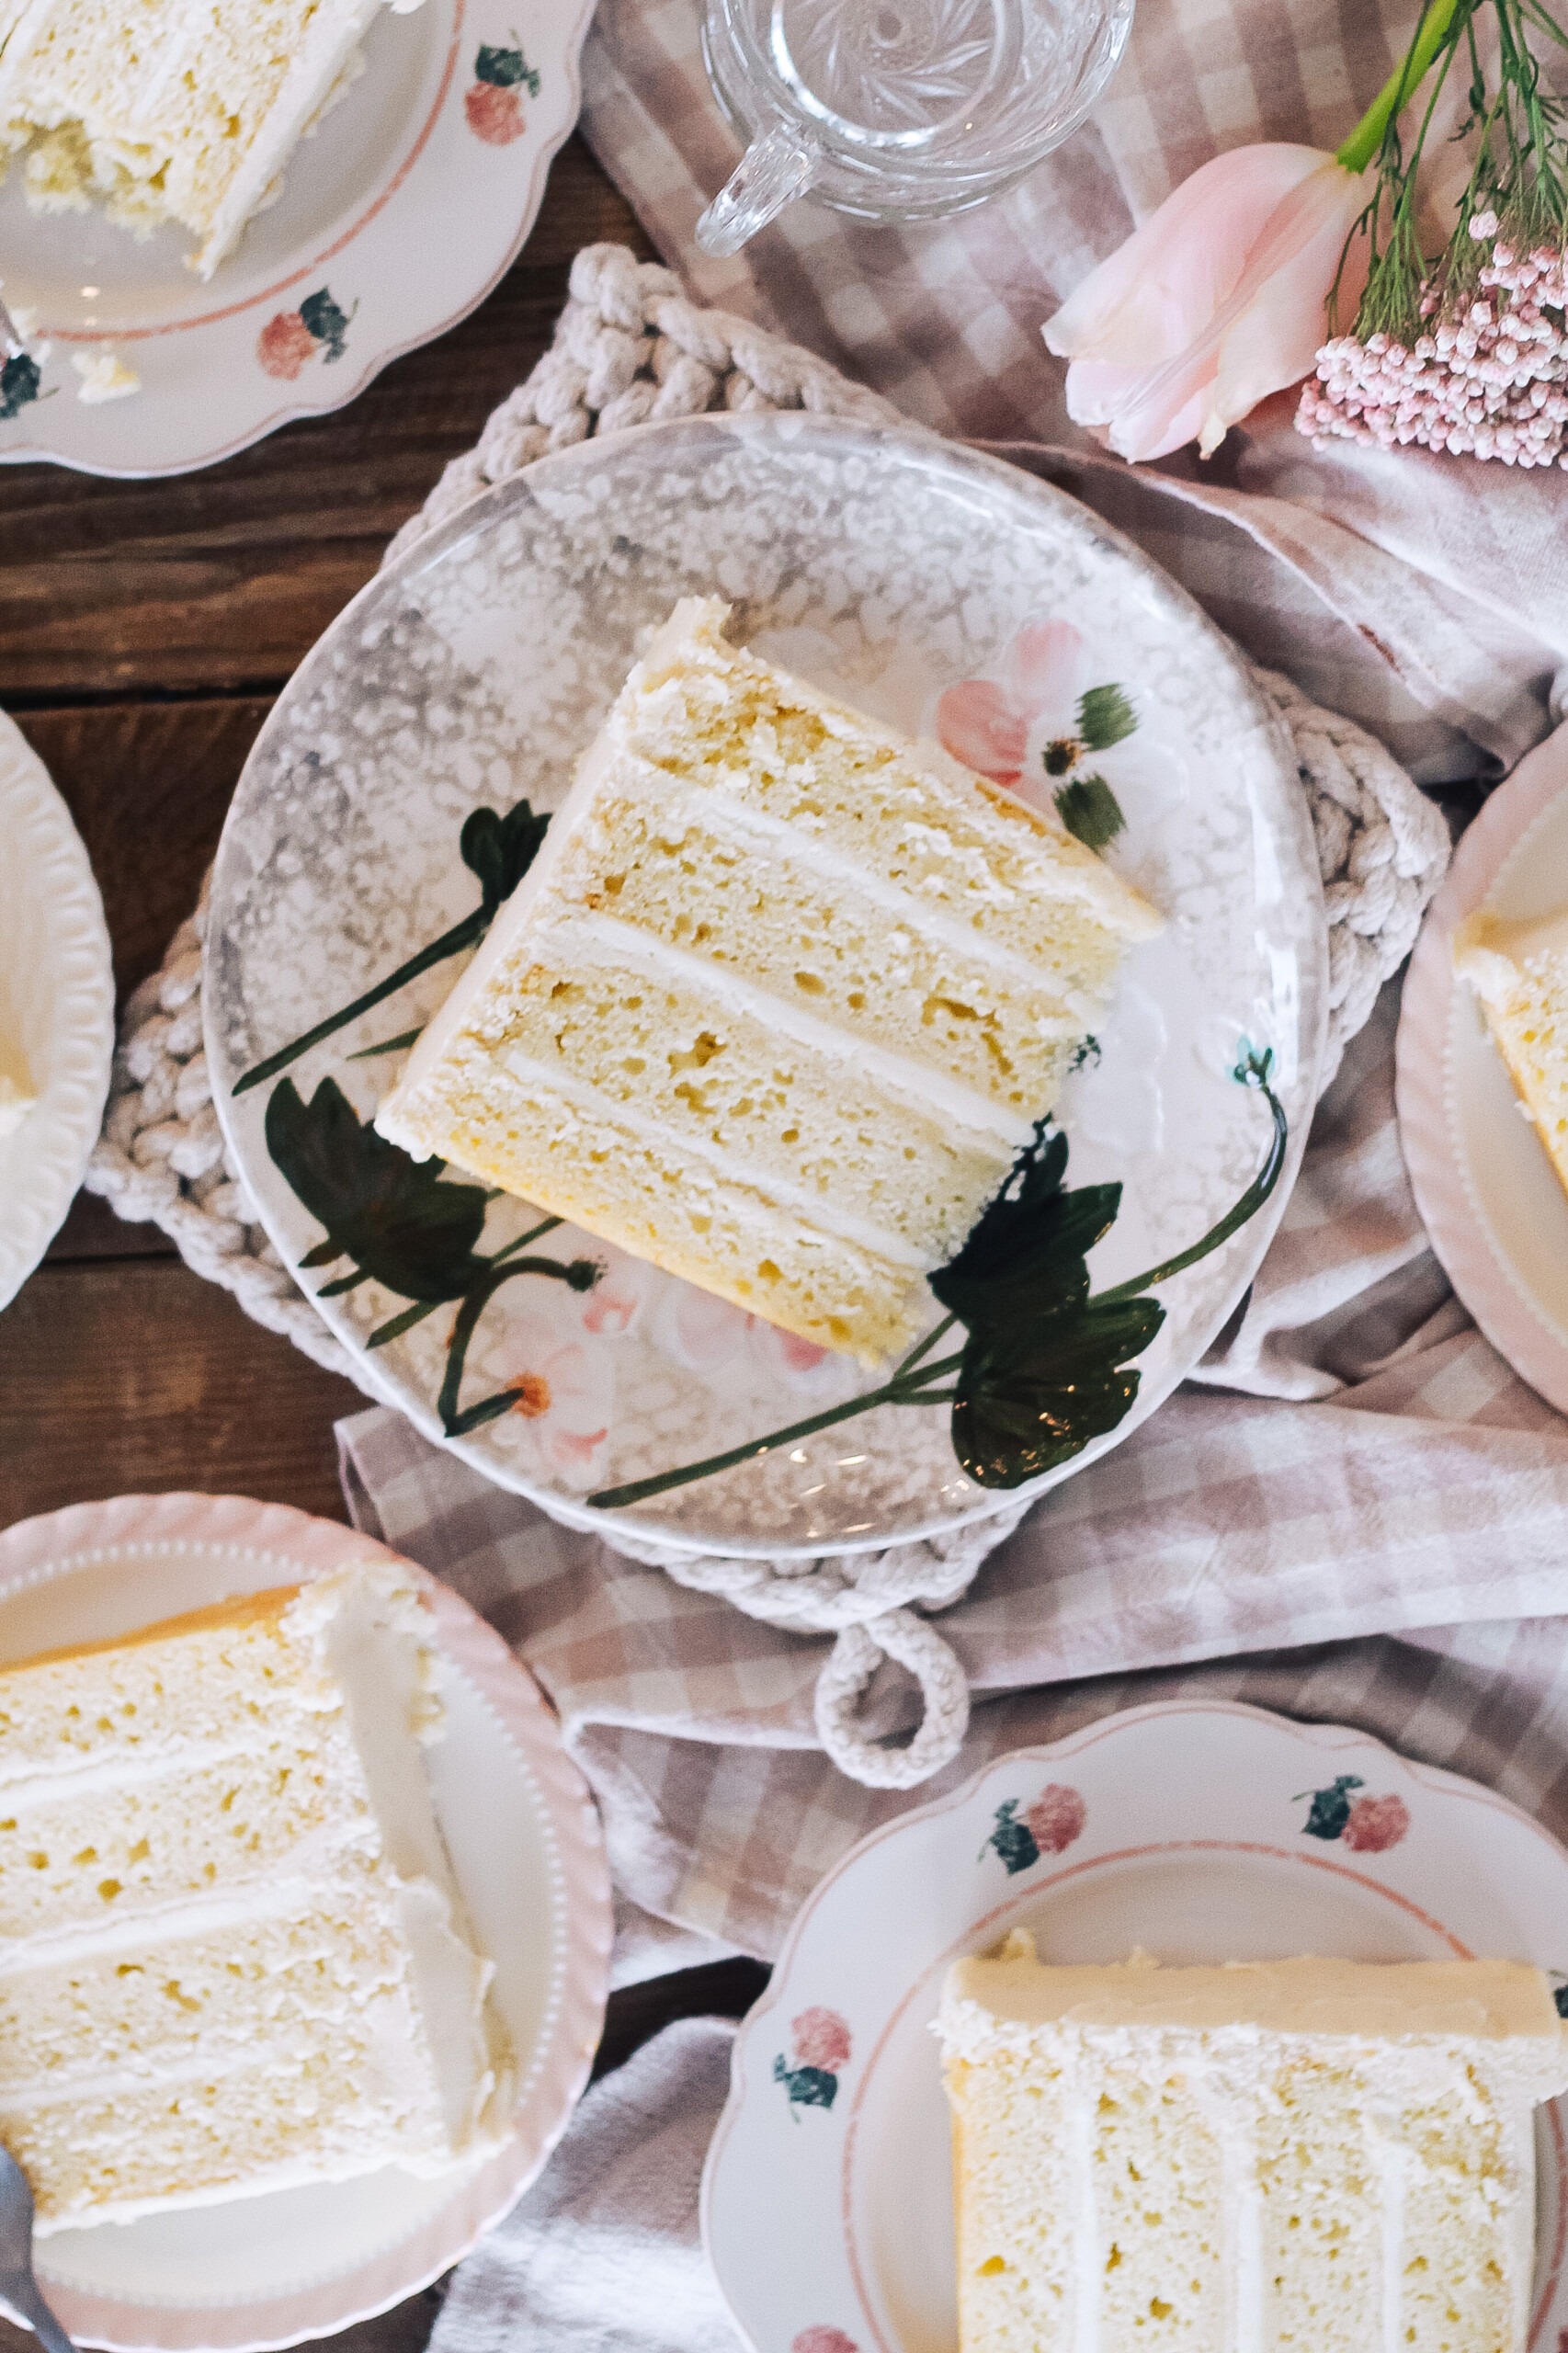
[{"x": 104, "y": 377}]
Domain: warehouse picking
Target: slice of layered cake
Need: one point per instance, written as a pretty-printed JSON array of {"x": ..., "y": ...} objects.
[
  {"x": 779, "y": 1001},
  {"x": 168, "y": 112},
  {"x": 1321, "y": 2155},
  {"x": 233, "y": 1957},
  {"x": 1520, "y": 973}
]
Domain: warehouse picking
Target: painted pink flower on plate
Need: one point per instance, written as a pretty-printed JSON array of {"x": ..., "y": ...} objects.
[
  {"x": 610, "y": 1308},
  {"x": 1056, "y": 1818},
  {"x": 821, "y": 2339},
  {"x": 820, "y": 2039},
  {"x": 284, "y": 345},
  {"x": 1376, "y": 1824},
  {"x": 495, "y": 116},
  {"x": 986, "y": 723}
]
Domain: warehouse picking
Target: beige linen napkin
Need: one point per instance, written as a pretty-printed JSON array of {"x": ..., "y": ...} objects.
[{"x": 603, "y": 2255}]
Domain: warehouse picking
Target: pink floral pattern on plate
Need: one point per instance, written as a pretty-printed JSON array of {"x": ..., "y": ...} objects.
[
  {"x": 492, "y": 105},
  {"x": 560, "y": 1364},
  {"x": 821, "y": 2339},
  {"x": 819, "y": 2045},
  {"x": 1052, "y": 1823},
  {"x": 705, "y": 1334},
  {"x": 1368, "y": 1826},
  {"x": 1034, "y": 728},
  {"x": 290, "y": 338}
]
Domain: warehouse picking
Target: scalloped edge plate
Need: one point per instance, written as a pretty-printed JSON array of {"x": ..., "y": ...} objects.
[
  {"x": 1179, "y": 1826},
  {"x": 186, "y": 1549},
  {"x": 57, "y": 992},
  {"x": 1439, "y": 1079}
]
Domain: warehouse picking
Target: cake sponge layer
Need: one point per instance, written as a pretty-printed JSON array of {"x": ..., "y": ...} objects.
[
  {"x": 663, "y": 1202},
  {"x": 686, "y": 1068},
  {"x": 860, "y": 976}
]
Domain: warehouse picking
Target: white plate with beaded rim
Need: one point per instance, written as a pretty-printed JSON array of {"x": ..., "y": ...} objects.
[
  {"x": 893, "y": 570},
  {"x": 1203, "y": 1832},
  {"x": 56, "y": 1004},
  {"x": 528, "y": 1856},
  {"x": 1488, "y": 1195},
  {"x": 394, "y": 220}
]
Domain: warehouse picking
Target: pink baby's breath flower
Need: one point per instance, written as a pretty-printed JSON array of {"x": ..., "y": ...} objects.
[{"x": 1490, "y": 381}]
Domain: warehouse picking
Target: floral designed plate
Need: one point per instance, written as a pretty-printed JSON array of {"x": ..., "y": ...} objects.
[
  {"x": 1202, "y": 1832},
  {"x": 527, "y": 1854},
  {"x": 1487, "y": 1193},
  {"x": 395, "y": 220},
  {"x": 56, "y": 1004},
  {"x": 942, "y": 591}
]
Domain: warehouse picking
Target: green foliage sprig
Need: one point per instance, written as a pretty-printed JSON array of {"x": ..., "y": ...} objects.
[{"x": 403, "y": 1227}]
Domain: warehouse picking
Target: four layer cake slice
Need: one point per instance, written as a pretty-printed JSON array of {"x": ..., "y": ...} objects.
[
  {"x": 780, "y": 1000},
  {"x": 1319, "y": 2154},
  {"x": 233, "y": 1954}
]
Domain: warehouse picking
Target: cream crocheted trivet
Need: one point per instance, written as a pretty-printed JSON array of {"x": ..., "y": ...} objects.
[{"x": 630, "y": 349}]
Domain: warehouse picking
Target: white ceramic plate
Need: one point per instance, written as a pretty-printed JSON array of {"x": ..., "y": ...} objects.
[
  {"x": 1496, "y": 1212},
  {"x": 896, "y": 571},
  {"x": 56, "y": 1003},
  {"x": 524, "y": 1843},
  {"x": 399, "y": 215},
  {"x": 1180, "y": 1827}
]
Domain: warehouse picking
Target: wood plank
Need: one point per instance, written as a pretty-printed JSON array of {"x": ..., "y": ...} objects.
[
  {"x": 149, "y": 785},
  {"x": 92, "y": 1230},
  {"x": 224, "y": 578},
  {"x": 136, "y": 1377}
]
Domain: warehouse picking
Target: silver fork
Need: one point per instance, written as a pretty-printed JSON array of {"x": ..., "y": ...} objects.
[{"x": 18, "y": 2285}]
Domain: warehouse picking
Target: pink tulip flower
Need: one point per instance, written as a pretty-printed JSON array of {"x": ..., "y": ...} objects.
[{"x": 1216, "y": 300}]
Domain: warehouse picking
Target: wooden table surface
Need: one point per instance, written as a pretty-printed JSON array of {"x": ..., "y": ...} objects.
[{"x": 146, "y": 629}]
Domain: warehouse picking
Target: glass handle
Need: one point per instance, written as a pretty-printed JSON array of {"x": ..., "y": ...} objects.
[{"x": 774, "y": 170}]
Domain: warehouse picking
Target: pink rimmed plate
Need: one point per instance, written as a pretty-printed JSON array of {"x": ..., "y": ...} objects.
[
  {"x": 525, "y": 1847},
  {"x": 396, "y": 218},
  {"x": 1494, "y": 1210},
  {"x": 1182, "y": 1826}
]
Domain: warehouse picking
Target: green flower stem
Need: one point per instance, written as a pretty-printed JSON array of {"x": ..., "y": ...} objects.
[
  {"x": 1368, "y": 136},
  {"x": 463, "y": 935},
  {"x": 1251, "y": 1201},
  {"x": 474, "y": 1302},
  {"x": 387, "y": 1045},
  {"x": 396, "y": 1325},
  {"x": 901, "y": 1390}
]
